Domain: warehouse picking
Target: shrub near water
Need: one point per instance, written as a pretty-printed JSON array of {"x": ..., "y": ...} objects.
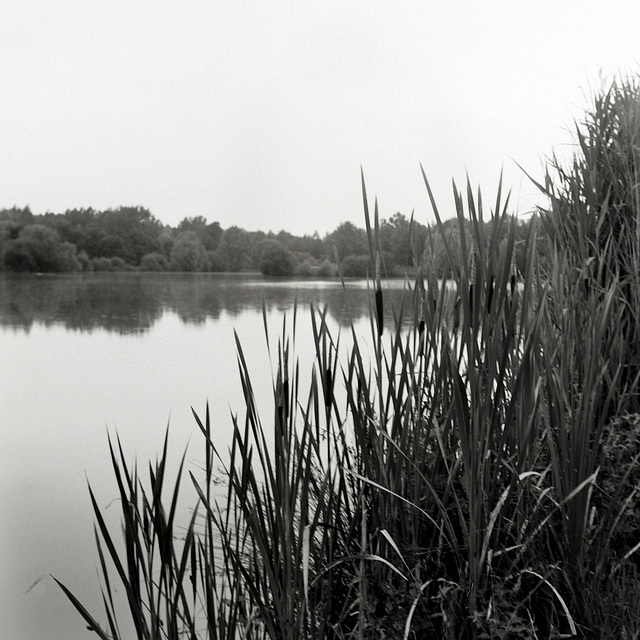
[
  {"x": 274, "y": 259},
  {"x": 455, "y": 475}
]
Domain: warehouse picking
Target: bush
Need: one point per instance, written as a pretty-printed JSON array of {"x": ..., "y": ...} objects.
[
  {"x": 356, "y": 267},
  {"x": 67, "y": 258},
  {"x": 275, "y": 259},
  {"x": 188, "y": 253},
  {"x": 327, "y": 269},
  {"x": 620, "y": 482},
  {"x": 101, "y": 264},
  {"x": 19, "y": 258},
  {"x": 154, "y": 262},
  {"x": 84, "y": 261},
  {"x": 236, "y": 248},
  {"x": 307, "y": 266},
  {"x": 118, "y": 264}
]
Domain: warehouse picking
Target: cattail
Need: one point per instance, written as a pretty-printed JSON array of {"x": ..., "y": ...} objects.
[
  {"x": 456, "y": 314},
  {"x": 327, "y": 388},
  {"x": 379, "y": 307},
  {"x": 379, "y": 310},
  {"x": 490, "y": 294},
  {"x": 280, "y": 421}
]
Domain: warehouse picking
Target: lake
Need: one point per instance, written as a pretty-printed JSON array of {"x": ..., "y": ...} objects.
[{"x": 86, "y": 354}]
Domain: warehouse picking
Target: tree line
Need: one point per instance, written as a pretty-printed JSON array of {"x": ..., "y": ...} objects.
[{"x": 131, "y": 238}]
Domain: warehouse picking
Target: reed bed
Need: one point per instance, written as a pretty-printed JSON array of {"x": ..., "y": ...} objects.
[{"x": 467, "y": 471}]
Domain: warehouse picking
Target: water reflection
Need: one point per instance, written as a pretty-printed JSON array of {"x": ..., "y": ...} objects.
[{"x": 132, "y": 302}]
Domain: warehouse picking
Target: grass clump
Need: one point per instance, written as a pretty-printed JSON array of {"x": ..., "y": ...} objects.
[{"x": 467, "y": 471}]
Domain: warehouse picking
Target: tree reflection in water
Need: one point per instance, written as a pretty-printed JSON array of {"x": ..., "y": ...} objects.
[{"x": 128, "y": 303}]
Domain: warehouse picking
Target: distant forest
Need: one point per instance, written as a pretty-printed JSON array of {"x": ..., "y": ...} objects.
[{"x": 131, "y": 238}]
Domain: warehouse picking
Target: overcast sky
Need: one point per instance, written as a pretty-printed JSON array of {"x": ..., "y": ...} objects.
[{"x": 260, "y": 114}]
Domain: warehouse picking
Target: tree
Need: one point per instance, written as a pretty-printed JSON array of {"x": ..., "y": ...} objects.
[
  {"x": 16, "y": 219},
  {"x": 188, "y": 253},
  {"x": 154, "y": 262},
  {"x": 348, "y": 240},
  {"x": 235, "y": 249},
  {"x": 5, "y": 230},
  {"x": 435, "y": 255},
  {"x": 18, "y": 258},
  {"x": 137, "y": 228},
  {"x": 90, "y": 242},
  {"x": 140, "y": 243},
  {"x": 47, "y": 252},
  {"x": 209, "y": 234},
  {"x": 109, "y": 246},
  {"x": 400, "y": 237},
  {"x": 215, "y": 263},
  {"x": 275, "y": 259},
  {"x": 356, "y": 266}
]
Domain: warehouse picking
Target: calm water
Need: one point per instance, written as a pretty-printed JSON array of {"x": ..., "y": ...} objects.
[{"x": 81, "y": 356}]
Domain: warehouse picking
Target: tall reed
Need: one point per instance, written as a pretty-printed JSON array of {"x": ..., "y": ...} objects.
[
  {"x": 452, "y": 474},
  {"x": 592, "y": 265}
]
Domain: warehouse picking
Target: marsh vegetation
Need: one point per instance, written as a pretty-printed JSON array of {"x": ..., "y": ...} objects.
[{"x": 467, "y": 471}]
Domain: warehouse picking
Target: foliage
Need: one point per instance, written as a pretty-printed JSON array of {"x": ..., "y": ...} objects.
[
  {"x": 592, "y": 264},
  {"x": 118, "y": 264},
  {"x": 137, "y": 228},
  {"x": 208, "y": 234},
  {"x": 215, "y": 262},
  {"x": 593, "y": 218},
  {"x": 275, "y": 259},
  {"x": 109, "y": 264},
  {"x": 39, "y": 248},
  {"x": 14, "y": 220},
  {"x": 617, "y": 492},
  {"x": 457, "y": 475},
  {"x": 84, "y": 261},
  {"x": 309, "y": 267},
  {"x": 127, "y": 233},
  {"x": 17, "y": 257},
  {"x": 439, "y": 243},
  {"x": 326, "y": 269},
  {"x": 356, "y": 266},
  {"x": 361, "y": 522},
  {"x": 188, "y": 253},
  {"x": 154, "y": 262},
  {"x": 346, "y": 240},
  {"x": 402, "y": 239},
  {"x": 306, "y": 266},
  {"x": 131, "y": 233},
  {"x": 235, "y": 249},
  {"x": 307, "y": 244}
]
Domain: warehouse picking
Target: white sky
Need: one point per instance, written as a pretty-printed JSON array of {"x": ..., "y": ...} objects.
[{"x": 260, "y": 114}]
